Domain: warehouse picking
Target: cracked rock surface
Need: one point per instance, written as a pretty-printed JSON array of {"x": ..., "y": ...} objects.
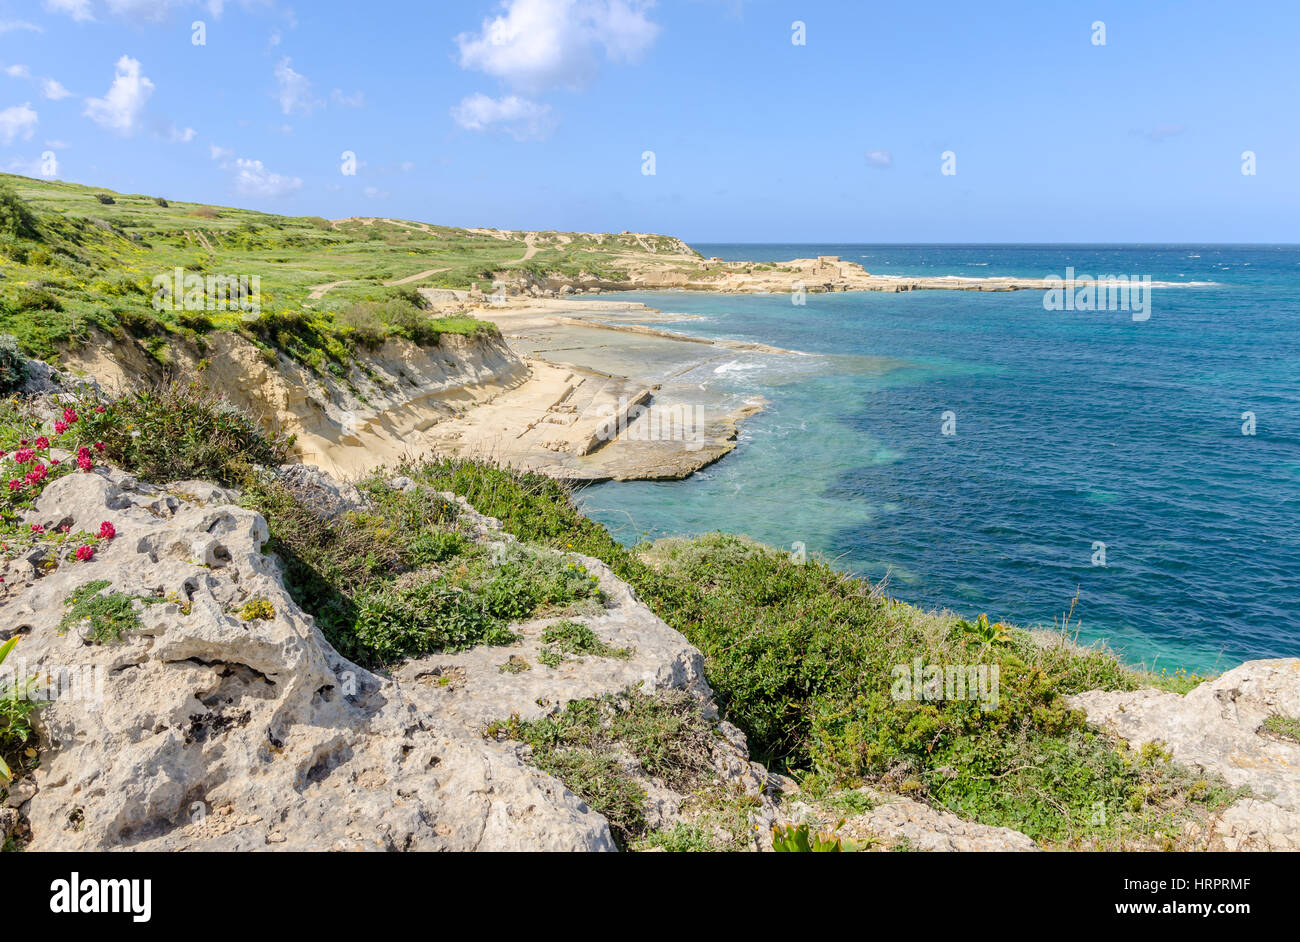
[
  {"x": 202, "y": 730},
  {"x": 1219, "y": 727}
]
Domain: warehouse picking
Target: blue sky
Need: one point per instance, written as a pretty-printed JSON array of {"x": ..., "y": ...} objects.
[{"x": 534, "y": 114}]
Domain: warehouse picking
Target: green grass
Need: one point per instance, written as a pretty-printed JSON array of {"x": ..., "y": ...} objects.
[
  {"x": 574, "y": 638},
  {"x": 109, "y": 615},
  {"x": 581, "y": 744},
  {"x": 1282, "y": 726},
  {"x": 76, "y": 268}
]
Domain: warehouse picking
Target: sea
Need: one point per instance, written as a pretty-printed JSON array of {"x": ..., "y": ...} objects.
[{"x": 979, "y": 452}]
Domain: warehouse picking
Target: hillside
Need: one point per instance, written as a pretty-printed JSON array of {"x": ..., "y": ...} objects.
[{"x": 78, "y": 258}]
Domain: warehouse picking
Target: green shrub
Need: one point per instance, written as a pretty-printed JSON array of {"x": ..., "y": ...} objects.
[
  {"x": 436, "y": 546},
  {"x": 429, "y": 616},
  {"x": 397, "y": 580},
  {"x": 257, "y": 610},
  {"x": 13, "y": 365},
  {"x": 16, "y": 708},
  {"x": 16, "y": 219},
  {"x": 572, "y": 637},
  {"x": 109, "y": 615},
  {"x": 665, "y": 732},
  {"x": 35, "y": 298},
  {"x": 1282, "y": 726},
  {"x": 179, "y": 432},
  {"x": 105, "y": 199}
]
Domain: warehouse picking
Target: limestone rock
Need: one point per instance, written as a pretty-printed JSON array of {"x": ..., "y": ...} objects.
[
  {"x": 320, "y": 492},
  {"x": 895, "y": 821},
  {"x": 1217, "y": 727},
  {"x": 198, "y": 729}
]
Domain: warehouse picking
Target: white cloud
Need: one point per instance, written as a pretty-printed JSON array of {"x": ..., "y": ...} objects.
[
  {"x": 253, "y": 179},
  {"x": 35, "y": 167},
  {"x": 536, "y": 45},
  {"x": 54, "y": 90},
  {"x": 17, "y": 121},
  {"x": 295, "y": 89},
  {"x": 153, "y": 11},
  {"x": 520, "y": 118},
  {"x": 880, "y": 158},
  {"x": 9, "y": 26},
  {"x": 50, "y": 88},
  {"x": 180, "y": 136},
  {"x": 119, "y": 110},
  {"x": 355, "y": 100},
  {"x": 79, "y": 10}
]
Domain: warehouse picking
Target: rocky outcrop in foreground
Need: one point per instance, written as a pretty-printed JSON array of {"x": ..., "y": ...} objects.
[
  {"x": 204, "y": 728},
  {"x": 1220, "y": 727}
]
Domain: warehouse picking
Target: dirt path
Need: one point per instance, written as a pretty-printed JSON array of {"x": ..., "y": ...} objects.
[
  {"x": 532, "y": 250},
  {"x": 417, "y": 277},
  {"x": 318, "y": 291}
]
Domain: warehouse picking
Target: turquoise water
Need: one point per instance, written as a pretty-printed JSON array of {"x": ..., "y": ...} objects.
[{"x": 1072, "y": 428}]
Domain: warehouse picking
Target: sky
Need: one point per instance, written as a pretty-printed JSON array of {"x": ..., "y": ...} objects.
[{"x": 762, "y": 120}]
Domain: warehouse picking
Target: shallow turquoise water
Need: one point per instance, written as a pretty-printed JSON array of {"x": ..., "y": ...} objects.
[{"x": 1072, "y": 428}]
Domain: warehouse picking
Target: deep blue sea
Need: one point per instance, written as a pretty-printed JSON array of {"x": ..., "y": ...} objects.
[{"x": 1072, "y": 429}]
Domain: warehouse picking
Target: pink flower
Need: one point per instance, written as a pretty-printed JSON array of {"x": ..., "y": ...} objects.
[
  {"x": 69, "y": 416},
  {"x": 54, "y": 462},
  {"x": 107, "y": 531},
  {"x": 84, "y": 553},
  {"x": 23, "y": 443},
  {"x": 99, "y": 446},
  {"x": 15, "y": 485},
  {"x": 59, "y": 428},
  {"x": 85, "y": 464},
  {"x": 37, "y": 474},
  {"x": 42, "y": 443},
  {"x": 38, "y": 528},
  {"x": 24, "y": 456},
  {"x": 99, "y": 408}
]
